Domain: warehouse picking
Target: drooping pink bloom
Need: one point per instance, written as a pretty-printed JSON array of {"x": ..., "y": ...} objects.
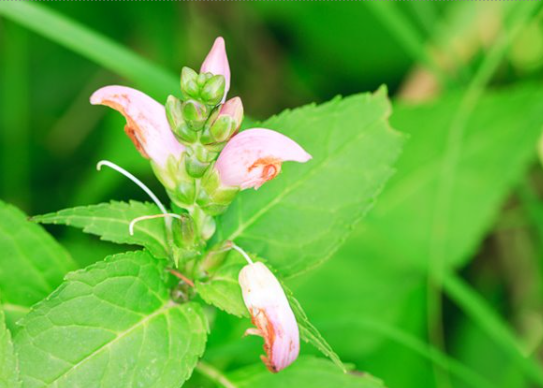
[
  {"x": 254, "y": 157},
  {"x": 216, "y": 63},
  {"x": 271, "y": 314},
  {"x": 146, "y": 122}
]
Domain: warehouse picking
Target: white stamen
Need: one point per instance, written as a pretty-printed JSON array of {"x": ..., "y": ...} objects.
[
  {"x": 150, "y": 217},
  {"x": 135, "y": 180},
  {"x": 243, "y": 253}
]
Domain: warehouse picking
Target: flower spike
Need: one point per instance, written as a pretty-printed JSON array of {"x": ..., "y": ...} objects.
[
  {"x": 271, "y": 314},
  {"x": 254, "y": 157},
  {"x": 216, "y": 63},
  {"x": 147, "y": 125}
]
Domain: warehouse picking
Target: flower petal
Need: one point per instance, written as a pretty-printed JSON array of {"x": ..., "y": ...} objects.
[
  {"x": 216, "y": 63},
  {"x": 147, "y": 124},
  {"x": 255, "y": 156},
  {"x": 271, "y": 314}
]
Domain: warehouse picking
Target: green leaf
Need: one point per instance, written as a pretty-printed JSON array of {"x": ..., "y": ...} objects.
[
  {"x": 111, "y": 325},
  {"x": 310, "y": 334},
  {"x": 305, "y": 372},
  {"x": 497, "y": 149},
  {"x": 92, "y": 45},
  {"x": 8, "y": 360},
  {"x": 110, "y": 221},
  {"x": 32, "y": 263},
  {"x": 222, "y": 289},
  {"x": 301, "y": 218}
]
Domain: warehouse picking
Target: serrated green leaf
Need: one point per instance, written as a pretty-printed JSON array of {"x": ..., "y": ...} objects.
[
  {"x": 8, "y": 360},
  {"x": 310, "y": 334},
  {"x": 32, "y": 263},
  {"x": 111, "y": 325},
  {"x": 299, "y": 219},
  {"x": 222, "y": 289},
  {"x": 305, "y": 372},
  {"x": 110, "y": 221},
  {"x": 498, "y": 145}
]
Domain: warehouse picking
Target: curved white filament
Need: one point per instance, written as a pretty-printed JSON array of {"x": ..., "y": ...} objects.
[
  {"x": 138, "y": 219},
  {"x": 243, "y": 253},
  {"x": 135, "y": 180}
]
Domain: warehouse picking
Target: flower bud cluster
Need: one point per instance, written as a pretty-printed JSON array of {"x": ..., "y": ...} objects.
[{"x": 203, "y": 129}]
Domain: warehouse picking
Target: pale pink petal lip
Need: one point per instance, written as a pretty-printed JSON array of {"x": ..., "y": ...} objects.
[
  {"x": 254, "y": 156},
  {"x": 271, "y": 314},
  {"x": 147, "y": 124},
  {"x": 216, "y": 63}
]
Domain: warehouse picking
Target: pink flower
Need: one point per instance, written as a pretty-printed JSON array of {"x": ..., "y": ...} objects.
[
  {"x": 271, "y": 314},
  {"x": 216, "y": 63},
  {"x": 254, "y": 157},
  {"x": 146, "y": 125}
]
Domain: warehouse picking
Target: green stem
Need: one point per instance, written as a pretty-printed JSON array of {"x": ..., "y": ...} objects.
[
  {"x": 214, "y": 375},
  {"x": 475, "y": 307},
  {"x": 407, "y": 35}
]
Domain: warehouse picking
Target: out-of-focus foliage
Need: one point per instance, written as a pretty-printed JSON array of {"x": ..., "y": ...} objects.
[{"x": 371, "y": 300}]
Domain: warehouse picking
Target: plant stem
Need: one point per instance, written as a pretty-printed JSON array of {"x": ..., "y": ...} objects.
[
  {"x": 407, "y": 35},
  {"x": 214, "y": 375},
  {"x": 475, "y": 307}
]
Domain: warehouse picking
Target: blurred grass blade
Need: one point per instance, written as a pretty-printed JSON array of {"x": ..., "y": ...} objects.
[
  {"x": 92, "y": 45},
  {"x": 406, "y": 34},
  {"x": 475, "y": 307},
  {"x": 14, "y": 119}
]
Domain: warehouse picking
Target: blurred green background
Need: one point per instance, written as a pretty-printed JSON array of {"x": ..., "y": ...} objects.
[{"x": 371, "y": 301}]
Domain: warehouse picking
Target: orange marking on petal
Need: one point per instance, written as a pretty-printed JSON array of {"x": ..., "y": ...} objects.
[
  {"x": 131, "y": 128},
  {"x": 262, "y": 322},
  {"x": 270, "y": 167}
]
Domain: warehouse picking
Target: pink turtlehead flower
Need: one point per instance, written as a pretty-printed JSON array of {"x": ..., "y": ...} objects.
[
  {"x": 254, "y": 157},
  {"x": 271, "y": 314},
  {"x": 216, "y": 63},
  {"x": 146, "y": 122}
]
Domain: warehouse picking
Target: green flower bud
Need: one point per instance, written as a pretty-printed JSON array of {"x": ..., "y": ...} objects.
[
  {"x": 189, "y": 82},
  {"x": 213, "y": 91},
  {"x": 225, "y": 125},
  {"x": 181, "y": 187},
  {"x": 203, "y": 154},
  {"x": 195, "y": 167},
  {"x": 203, "y": 78},
  {"x": 184, "y": 231},
  {"x": 214, "y": 198},
  {"x": 194, "y": 114},
  {"x": 174, "y": 113},
  {"x": 223, "y": 128},
  {"x": 215, "y": 257}
]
